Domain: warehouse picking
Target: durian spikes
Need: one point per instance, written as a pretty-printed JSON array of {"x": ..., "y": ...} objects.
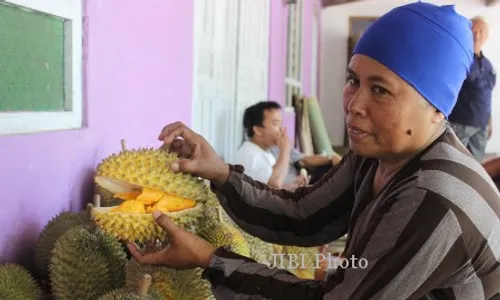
[
  {"x": 221, "y": 234},
  {"x": 142, "y": 228},
  {"x": 51, "y": 232},
  {"x": 150, "y": 168},
  {"x": 142, "y": 179},
  {"x": 143, "y": 292},
  {"x": 308, "y": 271},
  {"x": 16, "y": 283},
  {"x": 86, "y": 264},
  {"x": 170, "y": 284}
]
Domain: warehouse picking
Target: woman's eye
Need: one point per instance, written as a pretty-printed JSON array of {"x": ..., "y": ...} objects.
[
  {"x": 379, "y": 90},
  {"x": 352, "y": 81}
]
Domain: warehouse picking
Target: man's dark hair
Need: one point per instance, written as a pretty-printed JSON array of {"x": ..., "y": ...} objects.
[{"x": 254, "y": 115}]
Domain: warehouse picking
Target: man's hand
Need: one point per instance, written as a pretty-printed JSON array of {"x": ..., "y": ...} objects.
[
  {"x": 198, "y": 157},
  {"x": 185, "y": 250},
  {"x": 336, "y": 158},
  {"x": 284, "y": 143}
]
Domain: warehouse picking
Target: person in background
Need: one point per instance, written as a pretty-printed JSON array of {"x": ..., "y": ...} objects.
[
  {"x": 263, "y": 124},
  {"x": 416, "y": 206},
  {"x": 471, "y": 117},
  {"x": 316, "y": 165}
]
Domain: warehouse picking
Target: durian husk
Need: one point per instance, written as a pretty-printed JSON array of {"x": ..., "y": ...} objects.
[
  {"x": 86, "y": 264},
  {"x": 143, "y": 292},
  {"x": 150, "y": 168},
  {"x": 221, "y": 234},
  {"x": 260, "y": 251},
  {"x": 306, "y": 268},
  {"x": 264, "y": 252},
  {"x": 132, "y": 170},
  {"x": 51, "y": 232},
  {"x": 16, "y": 283},
  {"x": 171, "y": 284},
  {"x": 142, "y": 228}
]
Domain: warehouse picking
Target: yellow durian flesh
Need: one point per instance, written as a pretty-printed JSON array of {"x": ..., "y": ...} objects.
[
  {"x": 143, "y": 180},
  {"x": 151, "y": 200},
  {"x": 130, "y": 206}
]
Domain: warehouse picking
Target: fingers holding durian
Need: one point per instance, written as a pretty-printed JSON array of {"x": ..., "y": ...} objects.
[
  {"x": 185, "y": 250},
  {"x": 178, "y": 129},
  {"x": 182, "y": 148},
  {"x": 203, "y": 161}
]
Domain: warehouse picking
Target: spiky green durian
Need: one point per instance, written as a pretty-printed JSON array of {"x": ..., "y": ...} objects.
[
  {"x": 131, "y": 173},
  {"x": 55, "y": 228},
  {"x": 221, "y": 234},
  {"x": 124, "y": 294},
  {"x": 86, "y": 264},
  {"x": 16, "y": 283},
  {"x": 304, "y": 262},
  {"x": 143, "y": 292},
  {"x": 170, "y": 283},
  {"x": 150, "y": 168},
  {"x": 259, "y": 250}
]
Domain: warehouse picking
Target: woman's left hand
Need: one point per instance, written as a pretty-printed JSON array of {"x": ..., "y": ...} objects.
[{"x": 184, "y": 251}]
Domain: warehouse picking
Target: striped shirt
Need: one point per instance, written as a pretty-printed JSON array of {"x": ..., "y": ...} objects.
[{"x": 433, "y": 232}]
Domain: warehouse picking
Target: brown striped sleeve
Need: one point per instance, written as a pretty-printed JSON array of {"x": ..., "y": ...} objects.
[
  {"x": 404, "y": 258},
  {"x": 308, "y": 216}
]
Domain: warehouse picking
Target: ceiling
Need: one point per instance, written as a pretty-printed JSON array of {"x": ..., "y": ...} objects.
[{"x": 326, "y": 3}]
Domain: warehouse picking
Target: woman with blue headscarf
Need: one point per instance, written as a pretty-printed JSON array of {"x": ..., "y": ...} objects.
[{"x": 421, "y": 214}]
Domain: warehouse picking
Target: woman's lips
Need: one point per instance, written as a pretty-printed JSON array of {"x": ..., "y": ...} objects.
[{"x": 357, "y": 133}]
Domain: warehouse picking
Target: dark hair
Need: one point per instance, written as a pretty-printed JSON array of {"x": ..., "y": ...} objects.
[{"x": 254, "y": 115}]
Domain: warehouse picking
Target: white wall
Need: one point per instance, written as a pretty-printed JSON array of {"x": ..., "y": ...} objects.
[{"x": 333, "y": 59}]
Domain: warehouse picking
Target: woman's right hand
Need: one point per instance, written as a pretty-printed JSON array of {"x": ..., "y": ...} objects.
[{"x": 197, "y": 156}]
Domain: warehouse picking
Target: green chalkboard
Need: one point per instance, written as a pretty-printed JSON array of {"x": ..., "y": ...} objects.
[{"x": 31, "y": 61}]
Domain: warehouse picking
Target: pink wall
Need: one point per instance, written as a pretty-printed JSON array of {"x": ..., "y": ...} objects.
[{"x": 137, "y": 80}]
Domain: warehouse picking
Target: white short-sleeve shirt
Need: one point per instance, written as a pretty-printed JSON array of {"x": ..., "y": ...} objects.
[{"x": 258, "y": 162}]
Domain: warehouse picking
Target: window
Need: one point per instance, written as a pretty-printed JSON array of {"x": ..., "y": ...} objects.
[
  {"x": 40, "y": 65},
  {"x": 293, "y": 80}
]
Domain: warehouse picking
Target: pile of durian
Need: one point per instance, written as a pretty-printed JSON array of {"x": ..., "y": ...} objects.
[{"x": 82, "y": 255}]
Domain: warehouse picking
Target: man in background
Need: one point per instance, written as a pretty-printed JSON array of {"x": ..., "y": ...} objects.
[
  {"x": 268, "y": 154},
  {"x": 263, "y": 123},
  {"x": 471, "y": 117},
  {"x": 316, "y": 165}
]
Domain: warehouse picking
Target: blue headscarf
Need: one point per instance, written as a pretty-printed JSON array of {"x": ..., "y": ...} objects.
[{"x": 430, "y": 47}]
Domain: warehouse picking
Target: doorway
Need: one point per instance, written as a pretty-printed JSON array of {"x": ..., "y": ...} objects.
[{"x": 230, "y": 68}]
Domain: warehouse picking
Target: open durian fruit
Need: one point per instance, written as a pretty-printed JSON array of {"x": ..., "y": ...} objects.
[{"x": 142, "y": 180}]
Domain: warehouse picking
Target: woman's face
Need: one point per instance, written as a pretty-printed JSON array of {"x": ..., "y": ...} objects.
[{"x": 386, "y": 117}]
